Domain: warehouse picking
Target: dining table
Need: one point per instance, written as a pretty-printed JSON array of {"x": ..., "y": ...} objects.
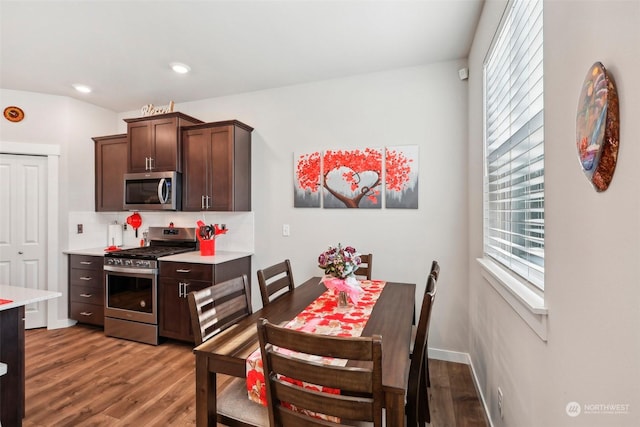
[{"x": 391, "y": 317}]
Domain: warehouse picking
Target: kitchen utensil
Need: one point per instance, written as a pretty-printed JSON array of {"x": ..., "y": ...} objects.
[
  {"x": 114, "y": 235},
  {"x": 135, "y": 220}
]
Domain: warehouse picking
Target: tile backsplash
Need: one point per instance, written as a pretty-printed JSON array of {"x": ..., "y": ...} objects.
[{"x": 240, "y": 236}]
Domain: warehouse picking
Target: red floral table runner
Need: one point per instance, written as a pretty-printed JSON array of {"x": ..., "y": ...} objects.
[
  {"x": 5, "y": 301},
  {"x": 322, "y": 316}
]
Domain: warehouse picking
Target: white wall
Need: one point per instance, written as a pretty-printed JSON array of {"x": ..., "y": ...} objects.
[
  {"x": 592, "y": 240},
  {"x": 425, "y": 106},
  {"x": 68, "y": 124}
]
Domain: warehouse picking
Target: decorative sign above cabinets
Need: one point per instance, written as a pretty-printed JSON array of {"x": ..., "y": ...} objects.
[{"x": 150, "y": 110}]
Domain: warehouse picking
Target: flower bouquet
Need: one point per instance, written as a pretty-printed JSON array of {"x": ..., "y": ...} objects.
[{"x": 339, "y": 265}]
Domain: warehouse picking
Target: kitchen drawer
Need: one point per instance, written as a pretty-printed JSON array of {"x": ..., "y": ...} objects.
[
  {"x": 86, "y": 277},
  {"x": 192, "y": 271},
  {"x": 86, "y": 262},
  {"x": 87, "y": 294},
  {"x": 87, "y": 313}
]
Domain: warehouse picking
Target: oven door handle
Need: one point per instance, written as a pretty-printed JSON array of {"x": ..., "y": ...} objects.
[{"x": 130, "y": 270}]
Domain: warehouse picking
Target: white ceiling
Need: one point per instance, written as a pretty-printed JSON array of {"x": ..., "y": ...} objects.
[{"x": 122, "y": 48}]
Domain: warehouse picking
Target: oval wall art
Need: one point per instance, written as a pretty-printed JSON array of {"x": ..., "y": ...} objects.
[{"x": 597, "y": 127}]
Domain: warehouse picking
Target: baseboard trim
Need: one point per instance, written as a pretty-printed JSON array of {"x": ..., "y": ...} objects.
[
  {"x": 61, "y": 323},
  {"x": 459, "y": 357},
  {"x": 449, "y": 356}
]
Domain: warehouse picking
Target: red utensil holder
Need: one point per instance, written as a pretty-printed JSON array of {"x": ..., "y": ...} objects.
[{"x": 207, "y": 247}]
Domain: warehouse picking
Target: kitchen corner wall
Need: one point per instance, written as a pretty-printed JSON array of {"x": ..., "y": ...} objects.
[{"x": 69, "y": 125}]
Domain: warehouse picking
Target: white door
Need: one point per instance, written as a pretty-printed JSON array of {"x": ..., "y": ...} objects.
[{"x": 23, "y": 212}]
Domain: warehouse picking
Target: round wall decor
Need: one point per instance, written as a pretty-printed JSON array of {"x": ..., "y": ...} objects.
[
  {"x": 13, "y": 113},
  {"x": 598, "y": 127}
]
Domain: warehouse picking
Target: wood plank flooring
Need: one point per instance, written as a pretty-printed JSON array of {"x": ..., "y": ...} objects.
[{"x": 79, "y": 377}]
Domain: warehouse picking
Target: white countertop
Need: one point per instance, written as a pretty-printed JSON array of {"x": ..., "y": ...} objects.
[
  {"x": 91, "y": 251},
  {"x": 23, "y": 296},
  {"x": 194, "y": 256}
]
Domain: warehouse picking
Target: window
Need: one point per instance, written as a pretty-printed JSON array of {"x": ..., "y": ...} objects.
[{"x": 514, "y": 144}]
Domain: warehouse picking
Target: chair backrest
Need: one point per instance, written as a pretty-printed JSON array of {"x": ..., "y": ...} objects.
[
  {"x": 435, "y": 269},
  {"x": 360, "y": 396},
  {"x": 275, "y": 281},
  {"x": 365, "y": 267},
  {"x": 215, "y": 308},
  {"x": 417, "y": 367}
]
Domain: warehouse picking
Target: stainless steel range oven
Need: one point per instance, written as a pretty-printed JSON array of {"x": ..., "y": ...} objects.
[{"x": 131, "y": 284}]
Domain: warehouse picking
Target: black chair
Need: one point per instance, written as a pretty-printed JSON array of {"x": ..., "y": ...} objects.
[
  {"x": 275, "y": 281},
  {"x": 361, "y": 396},
  {"x": 417, "y": 402}
]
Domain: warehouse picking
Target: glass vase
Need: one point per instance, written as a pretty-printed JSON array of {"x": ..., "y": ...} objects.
[{"x": 343, "y": 299}]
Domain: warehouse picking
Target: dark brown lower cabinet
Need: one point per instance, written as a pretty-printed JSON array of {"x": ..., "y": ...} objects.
[
  {"x": 12, "y": 354},
  {"x": 86, "y": 289},
  {"x": 177, "y": 279}
]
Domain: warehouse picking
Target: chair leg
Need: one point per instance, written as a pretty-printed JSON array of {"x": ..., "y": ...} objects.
[
  {"x": 424, "y": 415},
  {"x": 426, "y": 370}
]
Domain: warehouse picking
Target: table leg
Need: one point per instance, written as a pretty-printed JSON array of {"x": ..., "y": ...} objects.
[
  {"x": 394, "y": 407},
  {"x": 206, "y": 413}
]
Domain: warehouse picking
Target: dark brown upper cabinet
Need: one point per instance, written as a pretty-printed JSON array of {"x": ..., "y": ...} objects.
[
  {"x": 155, "y": 142},
  {"x": 217, "y": 167},
  {"x": 111, "y": 165}
]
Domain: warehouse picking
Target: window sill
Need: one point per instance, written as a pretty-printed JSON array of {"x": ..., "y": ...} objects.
[{"x": 529, "y": 306}]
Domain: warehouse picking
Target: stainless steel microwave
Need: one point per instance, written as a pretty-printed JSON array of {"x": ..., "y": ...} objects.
[{"x": 152, "y": 191}]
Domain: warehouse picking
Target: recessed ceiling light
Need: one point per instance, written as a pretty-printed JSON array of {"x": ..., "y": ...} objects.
[
  {"x": 82, "y": 88},
  {"x": 180, "y": 68}
]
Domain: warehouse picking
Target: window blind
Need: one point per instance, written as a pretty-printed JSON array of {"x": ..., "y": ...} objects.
[{"x": 514, "y": 144}]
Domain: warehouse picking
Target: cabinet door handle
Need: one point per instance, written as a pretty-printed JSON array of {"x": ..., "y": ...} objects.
[
  {"x": 183, "y": 270},
  {"x": 180, "y": 289},
  {"x": 151, "y": 164},
  {"x": 202, "y": 202},
  {"x": 86, "y": 262},
  {"x": 186, "y": 290},
  {"x": 86, "y": 295},
  {"x": 86, "y": 313},
  {"x": 208, "y": 205},
  {"x": 86, "y": 278}
]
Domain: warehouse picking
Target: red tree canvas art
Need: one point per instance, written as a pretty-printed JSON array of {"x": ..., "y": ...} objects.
[
  {"x": 351, "y": 178},
  {"x": 306, "y": 180},
  {"x": 401, "y": 183}
]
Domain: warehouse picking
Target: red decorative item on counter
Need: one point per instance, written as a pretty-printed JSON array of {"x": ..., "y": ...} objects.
[{"x": 207, "y": 234}]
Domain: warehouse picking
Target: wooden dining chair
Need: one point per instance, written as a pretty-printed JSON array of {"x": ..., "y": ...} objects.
[
  {"x": 364, "y": 269},
  {"x": 214, "y": 309},
  {"x": 435, "y": 269},
  {"x": 275, "y": 281},
  {"x": 360, "y": 396},
  {"x": 435, "y": 272},
  {"x": 417, "y": 402}
]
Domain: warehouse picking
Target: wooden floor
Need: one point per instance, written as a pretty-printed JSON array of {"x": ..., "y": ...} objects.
[{"x": 79, "y": 377}]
